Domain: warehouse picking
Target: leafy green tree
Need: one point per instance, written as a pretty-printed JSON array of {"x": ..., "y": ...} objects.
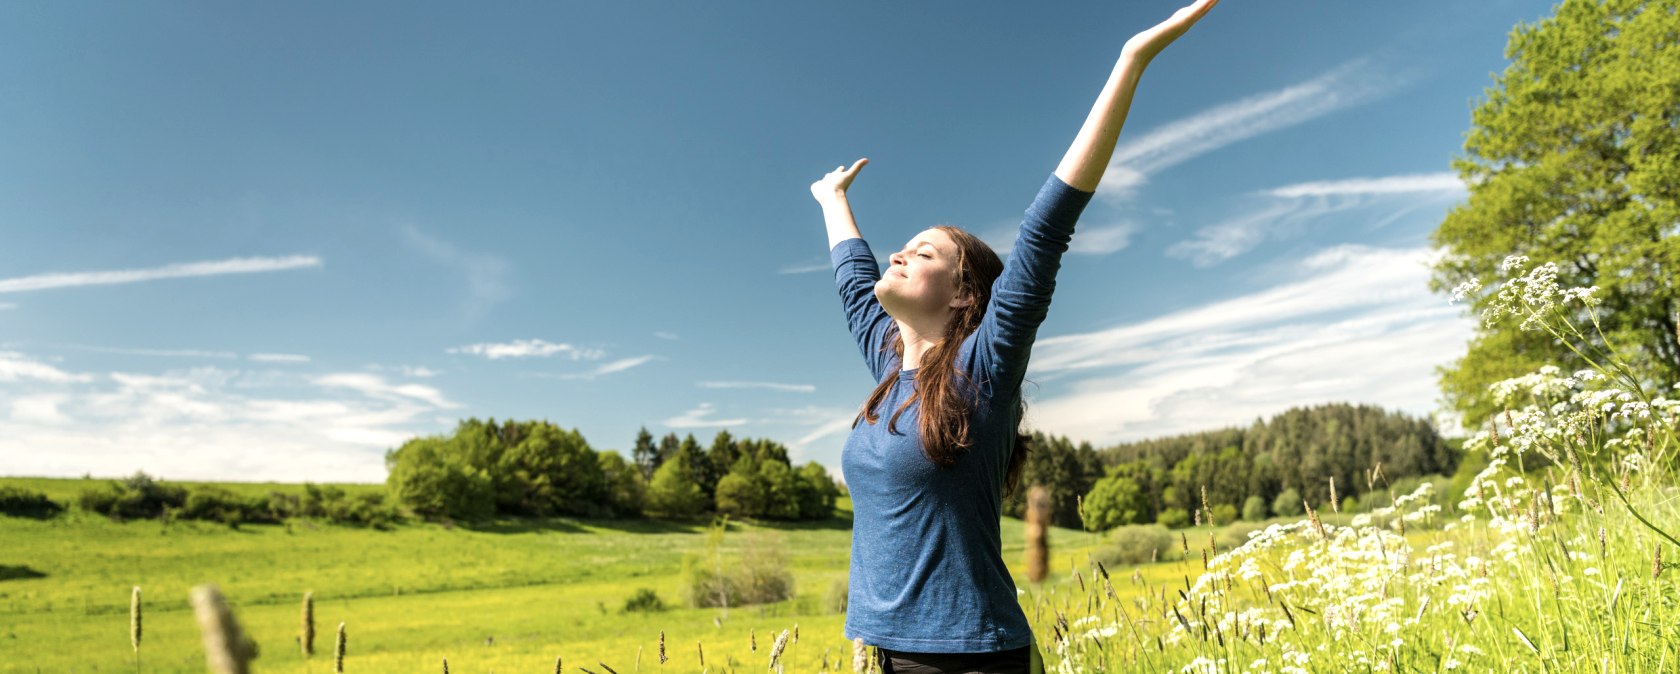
[
  {"x": 1114, "y": 501},
  {"x": 1570, "y": 159},
  {"x": 817, "y": 492},
  {"x": 433, "y": 481},
  {"x": 1288, "y": 504},
  {"x": 1254, "y": 509},
  {"x": 646, "y": 454},
  {"x": 623, "y": 485},
  {"x": 672, "y": 493}
]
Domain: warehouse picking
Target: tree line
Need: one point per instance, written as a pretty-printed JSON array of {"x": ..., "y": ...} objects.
[
  {"x": 1268, "y": 468},
  {"x": 536, "y": 468}
]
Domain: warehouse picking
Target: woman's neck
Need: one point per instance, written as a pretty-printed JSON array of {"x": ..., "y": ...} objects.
[{"x": 919, "y": 338}]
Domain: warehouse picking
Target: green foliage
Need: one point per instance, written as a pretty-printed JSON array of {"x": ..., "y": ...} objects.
[
  {"x": 626, "y": 491},
  {"x": 1288, "y": 504},
  {"x": 1174, "y": 518},
  {"x": 136, "y": 497},
  {"x": 1571, "y": 158},
  {"x": 839, "y": 594},
  {"x": 1138, "y": 544},
  {"x": 1117, "y": 500},
  {"x": 434, "y": 480},
  {"x": 645, "y": 600},
  {"x": 1224, "y": 514},
  {"x": 1254, "y": 509},
  {"x": 672, "y": 493},
  {"x": 19, "y": 502},
  {"x": 1066, "y": 470},
  {"x": 757, "y": 575}
]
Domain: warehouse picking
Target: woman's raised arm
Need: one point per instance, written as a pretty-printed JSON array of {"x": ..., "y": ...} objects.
[
  {"x": 1083, "y": 165},
  {"x": 830, "y": 191}
]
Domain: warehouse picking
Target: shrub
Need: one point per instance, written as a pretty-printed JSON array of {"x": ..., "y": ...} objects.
[
  {"x": 1254, "y": 509},
  {"x": 759, "y": 576},
  {"x": 1138, "y": 544},
  {"x": 645, "y": 600},
  {"x": 1174, "y": 518},
  {"x": 1224, "y": 514},
  {"x": 838, "y": 594},
  {"x": 138, "y": 496},
  {"x": 216, "y": 505},
  {"x": 19, "y": 502},
  {"x": 1287, "y": 503}
]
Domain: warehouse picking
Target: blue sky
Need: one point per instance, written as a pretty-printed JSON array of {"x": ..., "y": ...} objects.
[{"x": 272, "y": 241}]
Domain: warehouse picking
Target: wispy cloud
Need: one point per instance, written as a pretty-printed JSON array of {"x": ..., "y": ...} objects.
[
  {"x": 696, "y": 418},
  {"x": 155, "y": 353},
  {"x": 772, "y": 386},
  {"x": 1359, "y": 325},
  {"x": 205, "y": 423},
  {"x": 376, "y": 386},
  {"x": 1402, "y": 184},
  {"x": 671, "y": 336},
  {"x": 806, "y": 268},
  {"x": 1136, "y": 159},
  {"x": 526, "y": 348},
  {"x": 243, "y": 265},
  {"x": 486, "y": 273},
  {"x": 279, "y": 358},
  {"x": 620, "y": 365},
  {"x": 15, "y": 366},
  {"x": 7, "y": 305},
  {"x": 1285, "y": 211}
]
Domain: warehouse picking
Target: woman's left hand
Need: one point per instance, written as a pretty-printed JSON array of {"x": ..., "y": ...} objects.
[{"x": 1144, "y": 46}]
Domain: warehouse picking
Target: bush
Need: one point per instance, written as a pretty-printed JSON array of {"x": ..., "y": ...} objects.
[
  {"x": 759, "y": 576},
  {"x": 1287, "y": 504},
  {"x": 135, "y": 497},
  {"x": 1254, "y": 509},
  {"x": 1174, "y": 518},
  {"x": 645, "y": 600},
  {"x": 1138, "y": 544},
  {"x": 215, "y": 505},
  {"x": 1224, "y": 514},
  {"x": 839, "y": 594},
  {"x": 1233, "y": 536},
  {"x": 19, "y": 502}
]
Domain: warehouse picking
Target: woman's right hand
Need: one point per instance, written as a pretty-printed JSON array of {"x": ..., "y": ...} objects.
[{"x": 835, "y": 184}]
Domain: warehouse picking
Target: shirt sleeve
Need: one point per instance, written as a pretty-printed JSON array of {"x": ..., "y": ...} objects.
[
  {"x": 1021, "y": 295},
  {"x": 855, "y": 274}
]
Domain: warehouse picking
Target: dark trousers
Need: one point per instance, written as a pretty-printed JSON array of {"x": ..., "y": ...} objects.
[{"x": 1001, "y": 662}]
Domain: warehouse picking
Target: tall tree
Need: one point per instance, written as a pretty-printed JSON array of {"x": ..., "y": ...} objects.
[
  {"x": 1571, "y": 159},
  {"x": 646, "y": 454}
]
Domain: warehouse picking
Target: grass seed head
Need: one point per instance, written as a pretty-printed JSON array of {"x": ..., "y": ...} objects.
[
  {"x": 776, "y": 649},
  {"x": 226, "y": 648},
  {"x": 338, "y": 651},
  {"x": 134, "y": 619},
  {"x": 662, "y": 658},
  {"x": 860, "y": 656},
  {"x": 307, "y": 629}
]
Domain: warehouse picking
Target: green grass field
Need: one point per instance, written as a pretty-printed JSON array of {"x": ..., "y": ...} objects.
[{"x": 506, "y": 596}]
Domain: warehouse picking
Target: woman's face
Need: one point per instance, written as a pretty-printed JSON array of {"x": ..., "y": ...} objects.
[{"x": 921, "y": 279}]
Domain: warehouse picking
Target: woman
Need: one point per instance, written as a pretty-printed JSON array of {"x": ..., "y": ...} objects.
[{"x": 947, "y": 332}]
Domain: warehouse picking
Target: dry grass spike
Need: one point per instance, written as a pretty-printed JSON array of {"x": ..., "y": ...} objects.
[
  {"x": 338, "y": 651},
  {"x": 226, "y": 649},
  {"x": 307, "y": 637}
]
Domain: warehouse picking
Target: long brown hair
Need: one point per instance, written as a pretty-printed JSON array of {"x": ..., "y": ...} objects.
[{"x": 944, "y": 392}]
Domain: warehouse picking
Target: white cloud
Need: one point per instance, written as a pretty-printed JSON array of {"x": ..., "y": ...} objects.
[
  {"x": 1360, "y": 326},
  {"x": 791, "y": 388},
  {"x": 1088, "y": 239},
  {"x": 417, "y": 371},
  {"x": 1402, "y": 184},
  {"x": 1287, "y": 211},
  {"x": 696, "y": 418},
  {"x": 209, "y": 423},
  {"x": 672, "y": 336},
  {"x": 825, "y": 265},
  {"x": 7, "y": 305},
  {"x": 1136, "y": 159},
  {"x": 526, "y": 348},
  {"x": 376, "y": 386},
  {"x": 158, "y": 353},
  {"x": 619, "y": 365},
  {"x": 18, "y": 367},
  {"x": 485, "y": 273},
  {"x": 279, "y": 358},
  {"x": 243, "y": 265}
]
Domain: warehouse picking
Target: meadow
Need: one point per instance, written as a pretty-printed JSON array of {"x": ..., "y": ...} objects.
[{"x": 509, "y": 595}]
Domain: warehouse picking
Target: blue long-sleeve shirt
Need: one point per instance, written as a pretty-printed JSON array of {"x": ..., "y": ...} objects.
[{"x": 927, "y": 569}]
